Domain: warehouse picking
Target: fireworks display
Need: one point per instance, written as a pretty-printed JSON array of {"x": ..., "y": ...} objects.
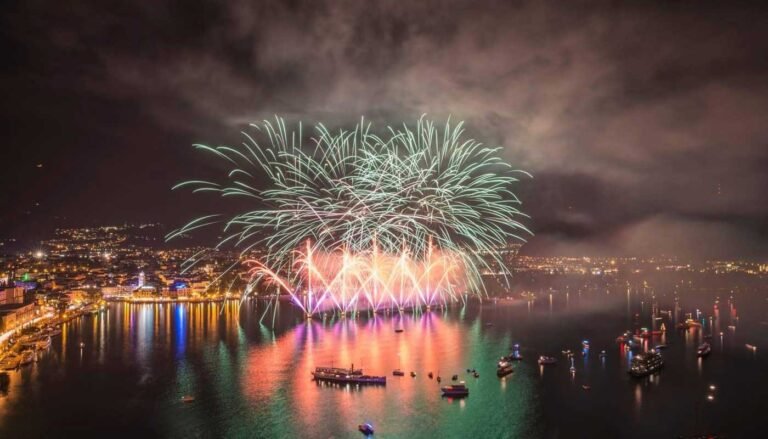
[{"x": 350, "y": 219}]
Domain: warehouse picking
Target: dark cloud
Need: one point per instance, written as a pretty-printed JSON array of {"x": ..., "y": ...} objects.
[{"x": 633, "y": 117}]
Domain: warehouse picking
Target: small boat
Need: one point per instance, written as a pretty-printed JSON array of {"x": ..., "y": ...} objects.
[
  {"x": 586, "y": 387},
  {"x": 82, "y": 345},
  {"x": 732, "y": 327},
  {"x": 187, "y": 398},
  {"x": 504, "y": 368},
  {"x": 439, "y": 379},
  {"x": 456, "y": 390},
  {"x": 513, "y": 356},
  {"x": 646, "y": 364},
  {"x": 366, "y": 429},
  {"x": 398, "y": 373},
  {"x": 603, "y": 354},
  {"x": 543, "y": 360},
  {"x": 708, "y": 337},
  {"x": 27, "y": 357},
  {"x": 475, "y": 374},
  {"x": 430, "y": 375},
  {"x": 573, "y": 369},
  {"x": 413, "y": 374},
  {"x": 660, "y": 347},
  {"x": 454, "y": 378},
  {"x": 10, "y": 362},
  {"x": 751, "y": 347},
  {"x": 399, "y": 330},
  {"x": 703, "y": 350}
]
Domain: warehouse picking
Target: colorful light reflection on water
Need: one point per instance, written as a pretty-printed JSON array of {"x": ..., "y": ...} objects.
[{"x": 251, "y": 381}]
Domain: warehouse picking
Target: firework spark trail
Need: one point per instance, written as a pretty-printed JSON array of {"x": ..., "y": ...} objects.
[{"x": 404, "y": 196}]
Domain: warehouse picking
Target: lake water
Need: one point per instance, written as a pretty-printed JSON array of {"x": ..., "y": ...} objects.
[{"x": 249, "y": 380}]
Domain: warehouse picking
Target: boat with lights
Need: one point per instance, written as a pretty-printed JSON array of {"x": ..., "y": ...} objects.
[{"x": 646, "y": 364}]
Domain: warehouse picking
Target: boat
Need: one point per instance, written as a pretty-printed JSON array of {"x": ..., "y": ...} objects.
[
  {"x": 703, "y": 350},
  {"x": 366, "y": 429},
  {"x": 439, "y": 379},
  {"x": 82, "y": 345},
  {"x": 340, "y": 370},
  {"x": 398, "y": 373},
  {"x": 43, "y": 343},
  {"x": 413, "y": 374},
  {"x": 751, "y": 347},
  {"x": 343, "y": 376},
  {"x": 646, "y": 364},
  {"x": 430, "y": 375},
  {"x": 455, "y": 390},
  {"x": 603, "y": 354},
  {"x": 10, "y": 362},
  {"x": 659, "y": 347},
  {"x": 513, "y": 356},
  {"x": 586, "y": 387},
  {"x": 27, "y": 357},
  {"x": 544, "y": 360},
  {"x": 454, "y": 378},
  {"x": 503, "y": 369},
  {"x": 475, "y": 374},
  {"x": 399, "y": 330},
  {"x": 187, "y": 398}
]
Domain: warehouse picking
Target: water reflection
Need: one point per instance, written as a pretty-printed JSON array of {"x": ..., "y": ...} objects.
[{"x": 249, "y": 378}]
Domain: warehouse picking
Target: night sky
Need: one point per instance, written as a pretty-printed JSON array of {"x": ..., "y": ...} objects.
[{"x": 643, "y": 123}]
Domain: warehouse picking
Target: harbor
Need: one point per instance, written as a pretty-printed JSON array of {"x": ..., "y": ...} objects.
[{"x": 565, "y": 355}]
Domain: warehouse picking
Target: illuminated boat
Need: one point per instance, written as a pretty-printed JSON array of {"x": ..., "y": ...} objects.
[
  {"x": 366, "y": 429},
  {"x": 339, "y": 370},
  {"x": 343, "y": 376},
  {"x": 503, "y": 369},
  {"x": 455, "y": 390},
  {"x": 543, "y": 360},
  {"x": 10, "y": 362},
  {"x": 27, "y": 357},
  {"x": 513, "y": 356},
  {"x": 646, "y": 364},
  {"x": 398, "y": 373},
  {"x": 703, "y": 350},
  {"x": 752, "y": 348}
]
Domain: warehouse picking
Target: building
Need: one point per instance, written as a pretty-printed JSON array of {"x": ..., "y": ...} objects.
[
  {"x": 11, "y": 295},
  {"x": 16, "y": 315}
]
